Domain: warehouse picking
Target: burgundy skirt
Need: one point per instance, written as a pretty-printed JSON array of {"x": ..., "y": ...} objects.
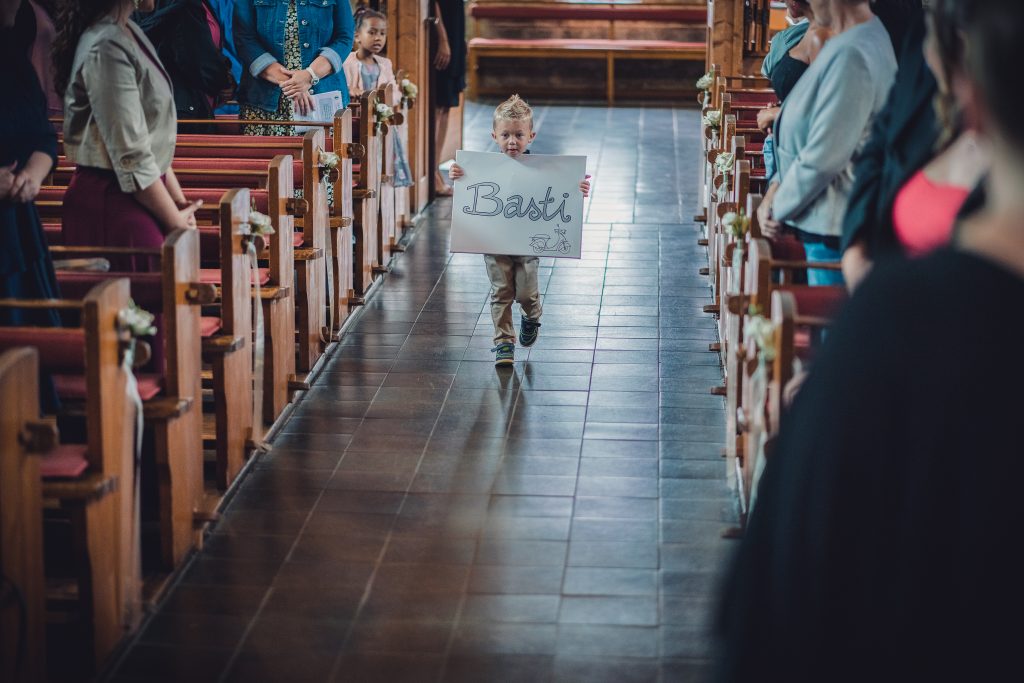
[{"x": 98, "y": 213}]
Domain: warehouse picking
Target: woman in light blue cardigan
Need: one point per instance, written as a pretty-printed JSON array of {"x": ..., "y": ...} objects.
[
  {"x": 290, "y": 50},
  {"x": 823, "y": 124}
]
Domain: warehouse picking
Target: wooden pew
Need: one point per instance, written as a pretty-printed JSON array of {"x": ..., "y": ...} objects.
[
  {"x": 611, "y": 45},
  {"x": 89, "y": 490},
  {"x": 366, "y": 196},
  {"x": 23, "y": 437},
  {"x": 172, "y": 401}
]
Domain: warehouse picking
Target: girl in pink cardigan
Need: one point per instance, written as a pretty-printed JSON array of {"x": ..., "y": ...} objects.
[{"x": 365, "y": 69}]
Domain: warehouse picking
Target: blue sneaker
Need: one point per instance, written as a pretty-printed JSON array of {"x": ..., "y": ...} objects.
[
  {"x": 528, "y": 330},
  {"x": 505, "y": 354}
]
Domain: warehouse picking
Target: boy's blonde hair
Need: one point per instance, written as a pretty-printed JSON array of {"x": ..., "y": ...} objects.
[{"x": 514, "y": 108}]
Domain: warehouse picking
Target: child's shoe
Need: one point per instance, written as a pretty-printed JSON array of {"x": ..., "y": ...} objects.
[
  {"x": 505, "y": 354},
  {"x": 528, "y": 330}
]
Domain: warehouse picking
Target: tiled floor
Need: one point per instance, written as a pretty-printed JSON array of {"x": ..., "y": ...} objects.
[{"x": 424, "y": 517}]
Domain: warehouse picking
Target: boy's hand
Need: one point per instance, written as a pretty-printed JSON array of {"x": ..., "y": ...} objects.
[
  {"x": 455, "y": 172},
  {"x": 585, "y": 186}
]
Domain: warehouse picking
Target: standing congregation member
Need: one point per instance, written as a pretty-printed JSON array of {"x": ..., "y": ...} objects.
[
  {"x": 119, "y": 129},
  {"x": 28, "y": 150},
  {"x": 189, "y": 39},
  {"x": 449, "y": 75},
  {"x": 366, "y": 69},
  {"x": 786, "y": 66},
  {"x": 904, "y": 201},
  {"x": 882, "y": 545},
  {"x": 821, "y": 126},
  {"x": 514, "y": 278},
  {"x": 290, "y": 50}
]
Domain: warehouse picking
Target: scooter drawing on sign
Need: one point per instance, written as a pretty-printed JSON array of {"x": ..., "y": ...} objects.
[{"x": 542, "y": 243}]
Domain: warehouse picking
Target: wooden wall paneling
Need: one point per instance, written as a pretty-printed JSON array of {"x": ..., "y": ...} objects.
[{"x": 725, "y": 36}]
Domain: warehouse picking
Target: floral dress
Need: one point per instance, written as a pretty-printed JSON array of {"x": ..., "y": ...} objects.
[{"x": 286, "y": 108}]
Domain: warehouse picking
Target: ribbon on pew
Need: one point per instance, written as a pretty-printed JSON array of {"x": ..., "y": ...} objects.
[
  {"x": 329, "y": 162},
  {"x": 259, "y": 226},
  {"x": 762, "y": 332},
  {"x": 134, "y": 322}
]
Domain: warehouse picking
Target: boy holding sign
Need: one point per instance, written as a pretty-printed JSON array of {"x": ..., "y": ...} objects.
[{"x": 513, "y": 278}]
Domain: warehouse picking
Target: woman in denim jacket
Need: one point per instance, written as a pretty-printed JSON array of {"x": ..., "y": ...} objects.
[{"x": 290, "y": 50}]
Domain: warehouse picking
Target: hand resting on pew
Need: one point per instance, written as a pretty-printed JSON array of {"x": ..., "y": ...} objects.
[{"x": 456, "y": 172}]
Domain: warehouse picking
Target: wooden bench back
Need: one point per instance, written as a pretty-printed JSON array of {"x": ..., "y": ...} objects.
[{"x": 21, "y": 521}]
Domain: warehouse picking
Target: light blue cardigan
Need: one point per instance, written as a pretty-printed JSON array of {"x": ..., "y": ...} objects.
[{"x": 824, "y": 123}]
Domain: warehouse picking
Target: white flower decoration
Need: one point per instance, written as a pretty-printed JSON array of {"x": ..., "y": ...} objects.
[
  {"x": 259, "y": 224},
  {"x": 724, "y": 162},
  {"x": 762, "y": 331},
  {"x": 329, "y": 159},
  {"x": 136, "y": 320},
  {"x": 713, "y": 119},
  {"x": 409, "y": 89},
  {"x": 705, "y": 82},
  {"x": 737, "y": 224}
]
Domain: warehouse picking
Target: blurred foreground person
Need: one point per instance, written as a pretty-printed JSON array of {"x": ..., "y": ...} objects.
[{"x": 883, "y": 544}]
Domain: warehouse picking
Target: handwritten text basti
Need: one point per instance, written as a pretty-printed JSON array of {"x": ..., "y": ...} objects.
[{"x": 486, "y": 202}]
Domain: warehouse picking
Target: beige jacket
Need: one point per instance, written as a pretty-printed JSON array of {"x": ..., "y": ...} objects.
[
  {"x": 119, "y": 107},
  {"x": 355, "y": 78}
]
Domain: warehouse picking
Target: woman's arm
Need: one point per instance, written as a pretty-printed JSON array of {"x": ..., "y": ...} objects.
[
  {"x": 340, "y": 44},
  {"x": 174, "y": 188},
  {"x": 253, "y": 51},
  {"x": 157, "y": 200},
  {"x": 27, "y": 181},
  {"x": 444, "y": 48}
]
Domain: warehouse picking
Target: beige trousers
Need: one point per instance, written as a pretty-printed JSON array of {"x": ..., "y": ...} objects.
[{"x": 513, "y": 278}]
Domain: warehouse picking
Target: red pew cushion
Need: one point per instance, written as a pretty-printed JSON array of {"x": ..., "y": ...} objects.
[
  {"x": 209, "y": 326},
  {"x": 73, "y": 386},
  {"x": 64, "y": 462},
  {"x": 60, "y": 349}
]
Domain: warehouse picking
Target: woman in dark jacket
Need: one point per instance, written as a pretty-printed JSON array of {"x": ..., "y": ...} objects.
[
  {"x": 28, "y": 150},
  {"x": 188, "y": 39}
]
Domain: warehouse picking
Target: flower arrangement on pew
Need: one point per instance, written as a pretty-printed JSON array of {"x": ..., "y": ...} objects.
[
  {"x": 713, "y": 119},
  {"x": 329, "y": 163},
  {"x": 136, "y": 321},
  {"x": 705, "y": 82},
  {"x": 409, "y": 92},
  {"x": 259, "y": 224},
  {"x": 736, "y": 224},
  {"x": 383, "y": 116},
  {"x": 724, "y": 165}
]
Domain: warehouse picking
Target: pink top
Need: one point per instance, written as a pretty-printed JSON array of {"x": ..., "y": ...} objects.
[
  {"x": 925, "y": 212},
  {"x": 42, "y": 61}
]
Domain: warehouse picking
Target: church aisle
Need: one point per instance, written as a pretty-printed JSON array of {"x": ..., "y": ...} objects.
[{"x": 426, "y": 517}]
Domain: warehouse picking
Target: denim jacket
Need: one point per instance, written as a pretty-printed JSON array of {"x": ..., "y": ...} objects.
[{"x": 326, "y": 30}]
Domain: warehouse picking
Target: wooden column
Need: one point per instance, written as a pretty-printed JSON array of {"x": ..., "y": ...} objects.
[
  {"x": 409, "y": 49},
  {"x": 725, "y": 36}
]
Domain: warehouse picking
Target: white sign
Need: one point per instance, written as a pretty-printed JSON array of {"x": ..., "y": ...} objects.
[{"x": 527, "y": 206}]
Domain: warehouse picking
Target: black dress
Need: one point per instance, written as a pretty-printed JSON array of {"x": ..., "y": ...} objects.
[
  {"x": 884, "y": 543},
  {"x": 26, "y": 271},
  {"x": 785, "y": 75},
  {"x": 199, "y": 72},
  {"x": 450, "y": 82}
]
